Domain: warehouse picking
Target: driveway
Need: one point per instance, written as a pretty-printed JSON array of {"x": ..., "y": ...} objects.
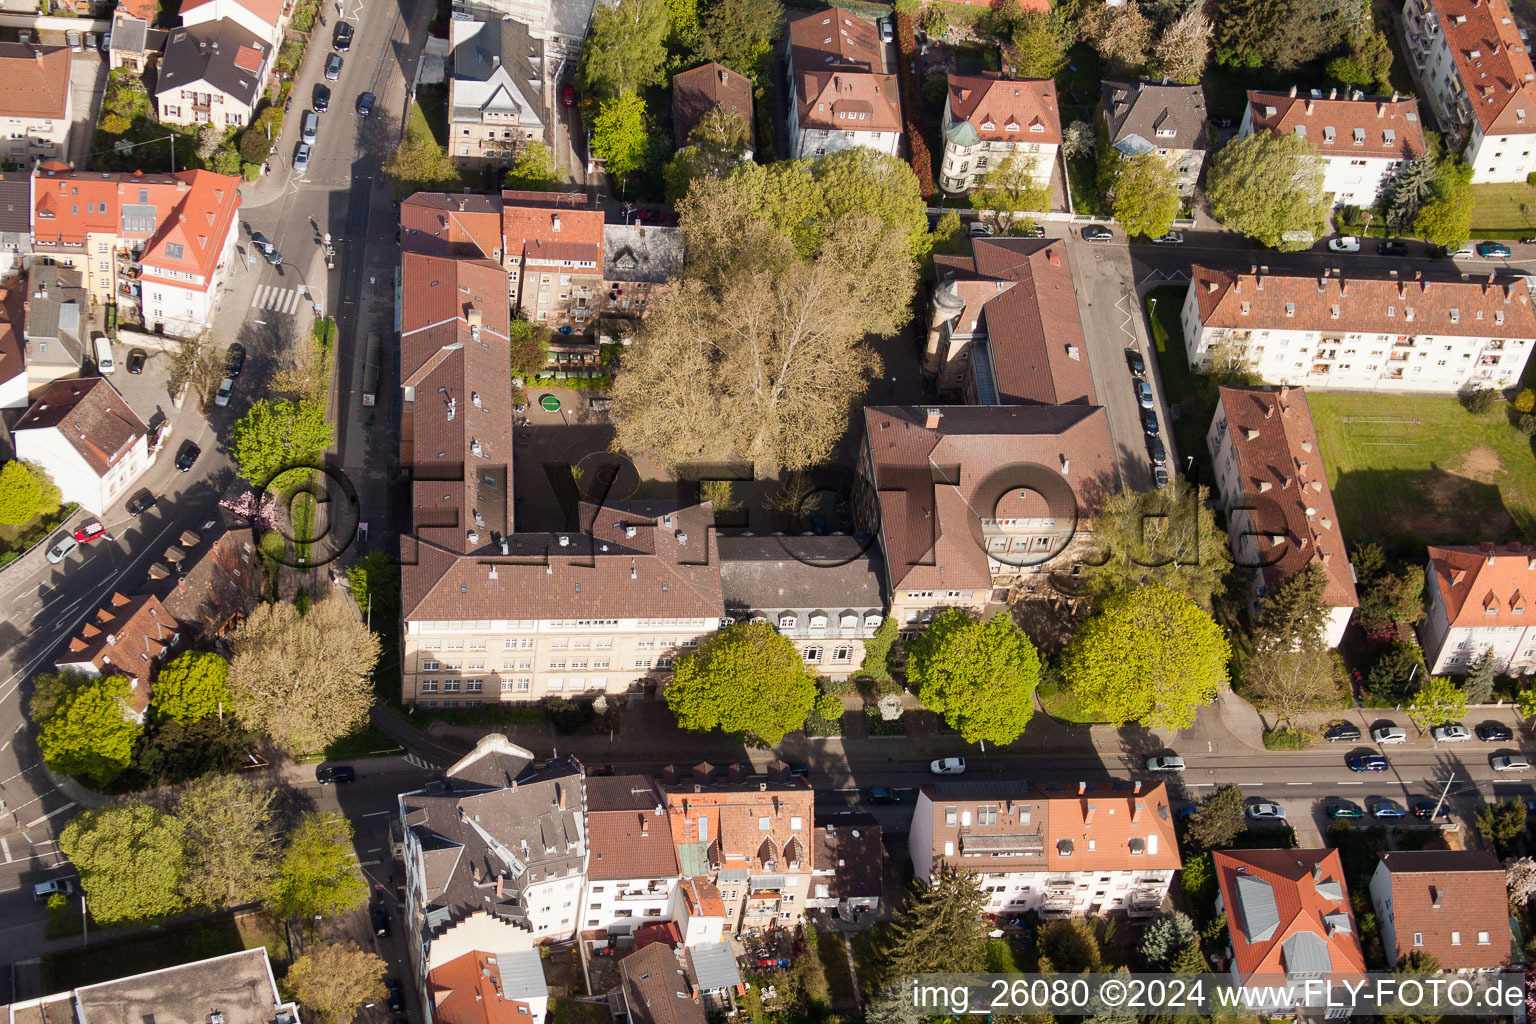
[{"x": 87, "y": 84}]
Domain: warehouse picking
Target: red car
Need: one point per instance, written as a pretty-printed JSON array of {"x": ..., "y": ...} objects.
[
  {"x": 568, "y": 94},
  {"x": 90, "y": 531},
  {"x": 651, "y": 215}
]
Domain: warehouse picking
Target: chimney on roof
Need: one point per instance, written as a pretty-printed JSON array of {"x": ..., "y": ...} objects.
[
  {"x": 1381, "y": 108},
  {"x": 1082, "y": 787},
  {"x": 1136, "y": 786},
  {"x": 1066, "y": 464},
  {"x": 1293, "y": 92},
  {"x": 554, "y": 222},
  {"x": 560, "y": 795},
  {"x": 1333, "y": 94},
  {"x": 475, "y": 318},
  {"x": 645, "y": 825},
  {"x": 725, "y": 78},
  {"x": 934, "y": 414},
  {"x": 1089, "y": 812},
  {"x": 1394, "y": 95},
  {"x": 1309, "y": 105}
]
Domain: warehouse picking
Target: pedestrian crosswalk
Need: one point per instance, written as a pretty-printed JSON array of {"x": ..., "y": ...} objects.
[{"x": 277, "y": 299}]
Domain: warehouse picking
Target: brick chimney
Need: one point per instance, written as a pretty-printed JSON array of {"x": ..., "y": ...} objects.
[{"x": 934, "y": 415}]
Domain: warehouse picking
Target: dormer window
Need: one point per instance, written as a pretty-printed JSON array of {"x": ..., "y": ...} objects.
[
  {"x": 1359, "y": 136},
  {"x": 988, "y": 125},
  {"x": 1389, "y": 136},
  {"x": 1328, "y": 133},
  {"x": 786, "y": 622},
  {"x": 1290, "y": 309}
]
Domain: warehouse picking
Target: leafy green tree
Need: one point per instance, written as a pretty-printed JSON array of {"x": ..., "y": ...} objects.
[
  {"x": 274, "y": 436},
  {"x": 859, "y": 182},
  {"x": 939, "y": 930},
  {"x": 829, "y": 707},
  {"x": 981, "y": 676},
  {"x": 1439, "y": 700},
  {"x": 747, "y": 678},
  {"x": 1121, "y": 34},
  {"x": 1198, "y": 878},
  {"x": 893, "y": 1005},
  {"x": 1525, "y": 700},
  {"x": 168, "y": 752},
  {"x": 1394, "y": 674},
  {"x": 25, "y": 491},
  {"x": 1501, "y": 824},
  {"x": 1146, "y": 195},
  {"x": 1189, "y": 959},
  {"x": 1068, "y": 946},
  {"x": 89, "y": 732},
  {"x": 1291, "y": 669},
  {"x": 1167, "y": 535},
  {"x": 739, "y": 33},
  {"x": 49, "y": 690},
  {"x": 1368, "y": 64},
  {"x": 191, "y": 686},
  {"x": 419, "y": 163},
  {"x": 336, "y": 979},
  {"x": 232, "y": 840},
  {"x": 1008, "y": 193},
  {"x": 1151, "y": 656},
  {"x": 1387, "y": 597},
  {"x": 1040, "y": 44},
  {"x": 1162, "y": 939},
  {"x": 529, "y": 344},
  {"x": 716, "y": 144},
  {"x": 130, "y": 858},
  {"x": 1277, "y": 34},
  {"x": 683, "y": 20},
  {"x": 535, "y": 170},
  {"x": 375, "y": 581},
  {"x": 1481, "y": 674},
  {"x": 1218, "y": 818},
  {"x": 877, "y": 650},
  {"x": 1446, "y": 218},
  {"x": 1184, "y": 47},
  {"x": 1270, "y": 188},
  {"x": 317, "y": 873},
  {"x": 619, "y": 135},
  {"x": 624, "y": 51}
]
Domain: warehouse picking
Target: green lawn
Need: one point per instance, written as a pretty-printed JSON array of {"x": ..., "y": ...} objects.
[
  {"x": 1508, "y": 209},
  {"x": 1409, "y": 470}
]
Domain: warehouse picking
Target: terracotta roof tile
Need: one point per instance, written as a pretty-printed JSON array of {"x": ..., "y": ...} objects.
[
  {"x": 626, "y": 837},
  {"x": 1006, "y": 109},
  {"x": 834, "y": 38},
  {"x": 467, "y": 990},
  {"x": 698, "y": 91},
  {"x": 1437, "y": 892},
  {"x": 34, "y": 80},
  {"x": 1494, "y": 64},
  {"x": 1486, "y": 585},
  {"x": 269, "y": 11},
  {"x": 702, "y": 898},
  {"x": 1288, "y": 892},
  {"x": 1363, "y": 126},
  {"x": 91, "y": 416},
  {"x": 744, "y": 826},
  {"x": 852, "y": 101},
  {"x": 127, "y": 636}
]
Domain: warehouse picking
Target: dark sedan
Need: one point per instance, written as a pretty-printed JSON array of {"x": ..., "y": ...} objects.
[
  {"x": 341, "y": 38},
  {"x": 188, "y": 455},
  {"x": 322, "y": 98},
  {"x": 1426, "y": 809},
  {"x": 365, "y": 104},
  {"x": 1149, "y": 423},
  {"x": 1098, "y": 233},
  {"x": 1342, "y": 731},
  {"x": 1493, "y": 732},
  {"x": 136, "y": 360},
  {"x": 141, "y": 502},
  {"x": 1137, "y": 363},
  {"x": 234, "y": 359},
  {"x": 335, "y": 774},
  {"x": 1366, "y": 763},
  {"x": 1392, "y": 248}
]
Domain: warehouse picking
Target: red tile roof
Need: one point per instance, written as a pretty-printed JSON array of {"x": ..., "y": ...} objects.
[
  {"x": 1006, "y": 109},
  {"x": 664, "y": 932},
  {"x": 146, "y": 10},
  {"x": 1487, "y": 585},
  {"x": 1384, "y": 126},
  {"x": 1495, "y": 66},
  {"x": 467, "y": 990},
  {"x": 34, "y": 80},
  {"x": 1281, "y": 471},
  {"x": 626, "y": 836},
  {"x": 850, "y": 101},
  {"x": 269, "y": 11},
  {"x": 458, "y": 226},
  {"x": 1300, "y": 886},
  {"x": 129, "y": 636},
  {"x": 564, "y": 222},
  {"x": 833, "y": 38},
  {"x": 1437, "y": 892},
  {"x": 91, "y": 415},
  {"x": 702, "y": 898},
  {"x": 735, "y": 815},
  {"x": 698, "y": 91}
]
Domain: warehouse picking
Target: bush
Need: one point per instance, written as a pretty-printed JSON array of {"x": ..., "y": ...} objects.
[
  {"x": 1289, "y": 738},
  {"x": 829, "y": 707},
  {"x": 922, "y": 160},
  {"x": 1198, "y": 879},
  {"x": 1480, "y": 401},
  {"x": 1525, "y": 401},
  {"x": 818, "y": 724},
  {"x": 1530, "y": 179}
]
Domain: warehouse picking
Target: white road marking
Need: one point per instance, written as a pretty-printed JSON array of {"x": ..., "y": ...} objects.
[
  {"x": 5, "y": 848},
  {"x": 369, "y": 863},
  {"x": 1298, "y": 783},
  {"x": 38, "y": 821},
  {"x": 277, "y": 298},
  {"x": 1350, "y": 783}
]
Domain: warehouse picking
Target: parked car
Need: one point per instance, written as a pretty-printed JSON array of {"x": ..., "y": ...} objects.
[
  {"x": 1511, "y": 763},
  {"x": 341, "y": 37},
  {"x": 141, "y": 502},
  {"x": 651, "y": 215},
  {"x": 106, "y": 43},
  {"x": 884, "y": 796},
  {"x": 43, "y": 890},
  {"x": 1160, "y": 476},
  {"x": 332, "y": 66},
  {"x": 1492, "y": 250},
  {"x": 309, "y": 127},
  {"x": 365, "y": 104},
  {"x": 62, "y": 549},
  {"x": 226, "y": 388},
  {"x": 1165, "y": 763},
  {"x": 334, "y": 774},
  {"x": 90, "y": 41},
  {"x": 568, "y": 94},
  {"x": 301, "y": 158},
  {"x": 1137, "y": 363},
  {"x": 1426, "y": 809},
  {"x": 187, "y": 455},
  {"x": 976, "y": 229},
  {"x": 1366, "y": 763},
  {"x": 136, "y": 360},
  {"x": 1493, "y": 732},
  {"x": 1344, "y": 243},
  {"x": 1171, "y": 238},
  {"x": 1098, "y": 233},
  {"x": 321, "y": 100},
  {"x": 73, "y": 38},
  {"x": 1384, "y": 808},
  {"x": 1149, "y": 423},
  {"x": 89, "y": 531},
  {"x": 1143, "y": 393},
  {"x": 1266, "y": 812},
  {"x": 1345, "y": 809},
  {"x": 1392, "y": 248},
  {"x": 1158, "y": 452},
  {"x": 380, "y": 922},
  {"x": 1451, "y": 732},
  {"x": 887, "y": 31},
  {"x": 1033, "y": 231},
  {"x": 234, "y": 359},
  {"x": 1389, "y": 734},
  {"x": 266, "y": 248},
  {"x": 1341, "y": 731},
  {"x": 948, "y": 766}
]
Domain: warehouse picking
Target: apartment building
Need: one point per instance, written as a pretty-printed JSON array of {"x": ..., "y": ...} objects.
[
  {"x": 1450, "y": 904},
  {"x": 750, "y": 835},
  {"x": 655, "y": 987},
  {"x": 481, "y": 987},
  {"x": 1477, "y": 606},
  {"x": 639, "y": 263},
  {"x": 15, "y": 222},
  {"x": 264, "y": 19},
  {"x": 36, "y": 108},
  {"x": 840, "y": 92},
  {"x": 848, "y": 865},
  {"x": 559, "y": 27},
  {"x": 1158, "y": 117},
  {"x": 824, "y": 593},
  {"x": 212, "y": 73},
  {"x": 1059, "y": 852},
  {"x": 989, "y": 118},
  {"x": 495, "y": 93},
  {"x": 128, "y": 637},
  {"x": 708, "y": 87},
  {"x": 156, "y": 245},
  {"x": 1363, "y": 140},
  {"x": 554, "y": 256},
  {"x": 1288, "y": 915},
  {"x": 632, "y": 873},
  {"x": 1474, "y": 66},
  {"x": 87, "y": 438},
  {"x": 1436, "y": 335},
  {"x": 55, "y": 324},
  {"x": 13, "y": 361},
  {"x": 701, "y": 912},
  {"x": 1273, "y": 486}
]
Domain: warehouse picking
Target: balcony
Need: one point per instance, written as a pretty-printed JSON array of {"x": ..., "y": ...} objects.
[
  {"x": 643, "y": 894},
  {"x": 1144, "y": 901}
]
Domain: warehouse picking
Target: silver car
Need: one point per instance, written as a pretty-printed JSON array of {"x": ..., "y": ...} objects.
[
  {"x": 301, "y": 158},
  {"x": 948, "y": 766},
  {"x": 62, "y": 549},
  {"x": 1266, "y": 812},
  {"x": 1451, "y": 732},
  {"x": 1511, "y": 763},
  {"x": 1165, "y": 763}
]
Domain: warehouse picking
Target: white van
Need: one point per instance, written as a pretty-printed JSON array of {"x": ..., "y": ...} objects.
[{"x": 104, "y": 364}]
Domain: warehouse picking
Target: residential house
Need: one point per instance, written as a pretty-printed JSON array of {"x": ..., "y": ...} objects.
[
  {"x": 1274, "y": 488},
  {"x": 135, "y": 45},
  {"x": 554, "y": 255},
  {"x": 708, "y": 87},
  {"x": 128, "y": 636},
  {"x": 13, "y": 361},
  {"x": 989, "y": 118},
  {"x": 1159, "y": 117},
  {"x": 1288, "y": 916},
  {"x": 715, "y": 974},
  {"x": 264, "y": 19},
  {"x": 654, "y": 987},
  {"x": 823, "y": 593},
  {"x": 701, "y": 912},
  {"x": 489, "y": 988},
  {"x": 54, "y": 324},
  {"x": 1452, "y": 905},
  {"x": 208, "y": 580},
  {"x": 1363, "y": 140},
  {"x": 750, "y": 835},
  {"x": 632, "y": 875},
  {"x": 240, "y": 986},
  {"x": 970, "y": 501},
  {"x": 848, "y": 865},
  {"x": 87, "y": 438},
  {"x": 36, "y": 105},
  {"x": 1438, "y": 335},
  {"x": 1472, "y": 63},
  {"x": 560, "y": 28},
  {"x": 841, "y": 94},
  {"x": 1477, "y": 605},
  {"x": 1050, "y": 850},
  {"x": 639, "y": 261},
  {"x": 495, "y": 93},
  {"x": 157, "y": 245},
  {"x": 15, "y": 222},
  {"x": 212, "y": 73}
]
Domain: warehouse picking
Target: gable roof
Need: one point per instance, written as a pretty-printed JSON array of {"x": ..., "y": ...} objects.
[
  {"x": 552, "y": 226},
  {"x": 34, "y": 80},
  {"x": 486, "y": 988},
  {"x": 1493, "y": 62},
  {"x": 54, "y": 298},
  {"x": 833, "y": 38},
  {"x": 220, "y": 581},
  {"x": 628, "y": 835},
  {"x": 91, "y": 416},
  {"x": 1288, "y": 911},
  {"x": 1437, "y": 892},
  {"x": 497, "y": 69},
  {"x": 852, "y": 101},
  {"x": 698, "y": 91},
  {"x": 1145, "y": 115},
  {"x": 452, "y": 226},
  {"x": 127, "y": 635},
  {"x": 990, "y": 108},
  {"x": 1485, "y": 585},
  {"x": 212, "y": 53},
  {"x": 130, "y": 34},
  {"x": 831, "y": 574},
  {"x": 657, "y": 989},
  {"x": 269, "y": 11},
  {"x": 646, "y": 253},
  {"x": 1350, "y": 128},
  {"x": 1279, "y": 466},
  {"x": 752, "y": 825}
]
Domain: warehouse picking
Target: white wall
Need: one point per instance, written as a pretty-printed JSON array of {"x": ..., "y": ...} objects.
[
  {"x": 76, "y": 480},
  {"x": 816, "y": 142},
  {"x": 602, "y": 902},
  {"x": 1381, "y": 899},
  {"x": 920, "y": 838},
  {"x": 13, "y": 392}
]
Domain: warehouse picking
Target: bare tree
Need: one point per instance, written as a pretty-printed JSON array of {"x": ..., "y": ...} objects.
[
  {"x": 1520, "y": 876},
  {"x": 1184, "y": 47},
  {"x": 1122, "y": 35}
]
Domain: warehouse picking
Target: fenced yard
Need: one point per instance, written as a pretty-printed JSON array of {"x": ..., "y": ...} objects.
[{"x": 1407, "y": 470}]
